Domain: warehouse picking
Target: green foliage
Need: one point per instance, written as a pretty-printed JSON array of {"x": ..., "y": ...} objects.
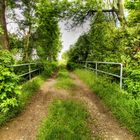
[
  {"x": 98, "y": 43},
  {"x": 64, "y": 80},
  {"x": 16, "y": 43},
  {"x": 6, "y": 58},
  {"x": 101, "y": 36},
  {"x": 67, "y": 120},
  {"x": 131, "y": 83},
  {"x": 27, "y": 90},
  {"x": 38, "y": 29},
  {"x": 79, "y": 11},
  {"x": 81, "y": 50},
  {"x": 134, "y": 14},
  {"x": 123, "y": 105},
  {"x": 9, "y": 89},
  {"x": 1, "y": 31},
  {"x": 72, "y": 66},
  {"x": 106, "y": 42},
  {"x": 49, "y": 68},
  {"x": 48, "y": 42}
]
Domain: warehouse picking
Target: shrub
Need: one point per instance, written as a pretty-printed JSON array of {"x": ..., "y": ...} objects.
[
  {"x": 9, "y": 89},
  {"x": 72, "y": 66},
  {"x": 49, "y": 68},
  {"x": 132, "y": 82}
]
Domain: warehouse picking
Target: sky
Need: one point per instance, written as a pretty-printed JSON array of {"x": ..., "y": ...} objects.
[{"x": 70, "y": 37}]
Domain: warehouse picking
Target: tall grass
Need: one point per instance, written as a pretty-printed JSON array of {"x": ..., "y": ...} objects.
[
  {"x": 123, "y": 105},
  {"x": 64, "y": 81},
  {"x": 29, "y": 88},
  {"x": 67, "y": 120}
]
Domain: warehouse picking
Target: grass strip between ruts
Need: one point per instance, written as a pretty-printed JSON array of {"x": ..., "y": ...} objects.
[{"x": 67, "y": 120}]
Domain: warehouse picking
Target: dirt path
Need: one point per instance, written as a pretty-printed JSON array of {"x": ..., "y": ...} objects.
[
  {"x": 106, "y": 125},
  {"x": 24, "y": 127}
]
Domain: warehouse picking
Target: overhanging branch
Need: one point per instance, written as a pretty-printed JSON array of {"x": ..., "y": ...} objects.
[{"x": 104, "y": 10}]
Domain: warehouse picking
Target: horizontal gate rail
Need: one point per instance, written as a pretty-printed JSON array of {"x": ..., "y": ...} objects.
[
  {"x": 28, "y": 73},
  {"x": 26, "y": 64},
  {"x": 29, "y": 68},
  {"x": 101, "y": 71}
]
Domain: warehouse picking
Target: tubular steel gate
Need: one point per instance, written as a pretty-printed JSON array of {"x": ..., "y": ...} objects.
[{"x": 101, "y": 71}]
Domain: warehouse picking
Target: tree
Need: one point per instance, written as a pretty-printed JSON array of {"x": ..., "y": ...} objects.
[
  {"x": 81, "y": 10},
  {"x": 4, "y": 41},
  {"x": 80, "y": 50},
  {"x": 47, "y": 34},
  {"x": 115, "y": 44}
]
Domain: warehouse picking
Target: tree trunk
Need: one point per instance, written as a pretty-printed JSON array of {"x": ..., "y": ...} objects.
[
  {"x": 4, "y": 41},
  {"x": 120, "y": 12},
  {"x": 26, "y": 54}
]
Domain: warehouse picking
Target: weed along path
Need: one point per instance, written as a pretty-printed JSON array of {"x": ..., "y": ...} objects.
[{"x": 101, "y": 122}]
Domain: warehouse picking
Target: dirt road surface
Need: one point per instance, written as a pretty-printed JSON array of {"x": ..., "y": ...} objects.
[{"x": 24, "y": 127}]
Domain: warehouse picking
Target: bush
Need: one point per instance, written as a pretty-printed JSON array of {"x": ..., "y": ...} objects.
[
  {"x": 49, "y": 68},
  {"x": 27, "y": 90},
  {"x": 72, "y": 66},
  {"x": 132, "y": 82},
  {"x": 9, "y": 89}
]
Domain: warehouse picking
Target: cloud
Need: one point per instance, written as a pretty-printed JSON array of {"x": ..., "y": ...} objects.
[{"x": 69, "y": 37}]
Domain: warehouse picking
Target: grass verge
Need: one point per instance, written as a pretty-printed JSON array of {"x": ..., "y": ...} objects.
[
  {"x": 64, "y": 80},
  {"x": 28, "y": 89},
  {"x": 67, "y": 120},
  {"x": 123, "y": 105}
]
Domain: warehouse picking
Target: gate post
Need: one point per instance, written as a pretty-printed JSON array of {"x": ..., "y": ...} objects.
[
  {"x": 29, "y": 71},
  {"x": 96, "y": 67},
  {"x": 121, "y": 72}
]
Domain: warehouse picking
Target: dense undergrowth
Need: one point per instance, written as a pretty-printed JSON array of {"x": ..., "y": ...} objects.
[
  {"x": 123, "y": 105},
  {"x": 67, "y": 120}
]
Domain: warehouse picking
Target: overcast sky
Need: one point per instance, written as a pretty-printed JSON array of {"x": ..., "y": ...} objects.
[{"x": 69, "y": 37}]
